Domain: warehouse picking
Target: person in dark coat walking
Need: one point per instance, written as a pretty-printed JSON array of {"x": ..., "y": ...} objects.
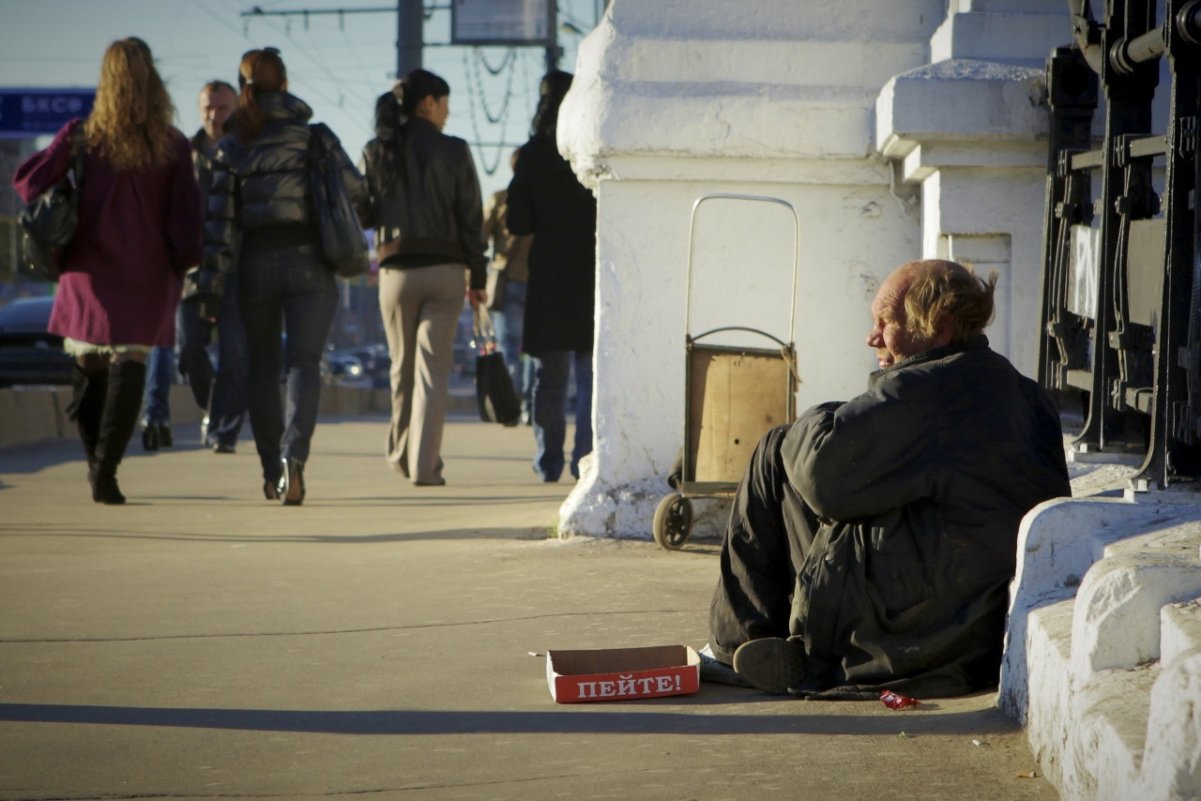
[
  {"x": 546, "y": 200},
  {"x": 260, "y": 222},
  {"x": 139, "y": 230},
  {"x": 871, "y": 543}
]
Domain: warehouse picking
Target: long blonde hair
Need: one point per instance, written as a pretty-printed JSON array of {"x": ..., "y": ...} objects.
[{"x": 131, "y": 119}]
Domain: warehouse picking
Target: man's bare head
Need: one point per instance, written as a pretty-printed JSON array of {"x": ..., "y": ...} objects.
[{"x": 927, "y": 304}]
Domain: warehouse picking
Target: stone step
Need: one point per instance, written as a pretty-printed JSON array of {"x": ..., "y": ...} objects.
[
  {"x": 1108, "y": 735},
  {"x": 1106, "y": 624},
  {"x": 1180, "y": 630}
]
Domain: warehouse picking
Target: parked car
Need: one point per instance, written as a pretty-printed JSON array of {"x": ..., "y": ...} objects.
[
  {"x": 362, "y": 366},
  {"x": 29, "y": 353}
]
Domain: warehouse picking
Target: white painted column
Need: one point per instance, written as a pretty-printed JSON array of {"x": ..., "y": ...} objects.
[{"x": 767, "y": 97}]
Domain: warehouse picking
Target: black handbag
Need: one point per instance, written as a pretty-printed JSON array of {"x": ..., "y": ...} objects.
[
  {"x": 494, "y": 394},
  {"x": 343, "y": 246},
  {"x": 48, "y": 224}
]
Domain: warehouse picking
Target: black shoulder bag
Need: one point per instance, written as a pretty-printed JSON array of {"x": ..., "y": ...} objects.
[
  {"x": 343, "y": 246},
  {"x": 48, "y": 223}
]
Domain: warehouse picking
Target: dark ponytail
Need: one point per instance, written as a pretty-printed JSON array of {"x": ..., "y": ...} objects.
[
  {"x": 261, "y": 71},
  {"x": 393, "y": 109},
  {"x": 415, "y": 87}
]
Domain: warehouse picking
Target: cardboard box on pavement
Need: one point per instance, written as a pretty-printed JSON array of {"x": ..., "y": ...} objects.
[{"x": 622, "y": 674}]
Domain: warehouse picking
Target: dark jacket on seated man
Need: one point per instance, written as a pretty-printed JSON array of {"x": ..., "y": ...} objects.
[{"x": 880, "y": 534}]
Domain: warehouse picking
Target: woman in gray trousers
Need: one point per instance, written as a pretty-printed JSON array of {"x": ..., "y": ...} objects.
[{"x": 425, "y": 206}]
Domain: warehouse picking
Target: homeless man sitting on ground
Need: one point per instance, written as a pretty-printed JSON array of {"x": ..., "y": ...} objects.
[{"x": 871, "y": 543}]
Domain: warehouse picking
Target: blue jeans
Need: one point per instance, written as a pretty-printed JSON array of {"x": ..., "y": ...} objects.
[
  {"x": 551, "y": 371},
  {"x": 221, "y": 392},
  {"x": 160, "y": 374},
  {"x": 293, "y": 285},
  {"x": 508, "y": 321}
]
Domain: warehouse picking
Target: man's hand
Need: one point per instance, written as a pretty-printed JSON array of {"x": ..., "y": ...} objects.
[{"x": 477, "y": 297}]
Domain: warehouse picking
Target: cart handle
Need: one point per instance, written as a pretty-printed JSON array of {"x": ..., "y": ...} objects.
[
  {"x": 796, "y": 250},
  {"x": 775, "y": 339},
  {"x": 786, "y": 349}
]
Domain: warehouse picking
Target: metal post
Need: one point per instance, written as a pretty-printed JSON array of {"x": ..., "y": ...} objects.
[
  {"x": 410, "y": 39},
  {"x": 1072, "y": 96},
  {"x": 552, "y": 36},
  {"x": 1128, "y": 100}
]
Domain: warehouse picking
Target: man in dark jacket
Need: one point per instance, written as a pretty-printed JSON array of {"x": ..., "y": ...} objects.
[
  {"x": 872, "y": 542},
  {"x": 221, "y": 392}
]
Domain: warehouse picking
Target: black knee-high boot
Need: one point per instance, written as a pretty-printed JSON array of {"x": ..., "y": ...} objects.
[
  {"x": 122, "y": 403},
  {"x": 89, "y": 387}
]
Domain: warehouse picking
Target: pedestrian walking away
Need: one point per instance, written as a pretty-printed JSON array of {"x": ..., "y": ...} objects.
[
  {"x": 425, "y": 206},
  {"x": 508, "y": 274},
  {"x": 546, "y": 200},
  {"x": 116, "y": 302},
  {"x": 260, "y": 219}
]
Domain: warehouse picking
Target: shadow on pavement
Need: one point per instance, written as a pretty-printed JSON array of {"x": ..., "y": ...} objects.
[
  {"x": 345, "y": 539},
  {"x": 594, "y": 720}
]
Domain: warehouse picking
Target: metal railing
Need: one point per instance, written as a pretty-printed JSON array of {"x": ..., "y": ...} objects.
[{"x": 1122, "y": 264}]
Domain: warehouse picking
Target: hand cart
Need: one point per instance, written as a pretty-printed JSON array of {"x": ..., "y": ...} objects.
[{"x": 732, "y": 397}]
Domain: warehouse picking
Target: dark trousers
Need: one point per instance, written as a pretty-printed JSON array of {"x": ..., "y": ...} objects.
[
  {"x": 292, "y": 287},
  {"x": 771, "y": 528},
  {"x": 160, "y": 374},
  {"x": 220, "y": 391},
  {"x": 551, "y": 372}
]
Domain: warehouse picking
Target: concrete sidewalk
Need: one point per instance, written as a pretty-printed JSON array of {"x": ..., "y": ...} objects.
[{"x": 377, "y": 642}]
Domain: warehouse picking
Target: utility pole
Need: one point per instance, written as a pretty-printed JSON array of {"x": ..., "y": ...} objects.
[
  {"x": 410, "y": 20},
  {"x": 552, "y": 36}
]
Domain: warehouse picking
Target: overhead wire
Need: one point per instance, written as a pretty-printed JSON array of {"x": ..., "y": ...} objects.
[{"x": 342, "y": 85}]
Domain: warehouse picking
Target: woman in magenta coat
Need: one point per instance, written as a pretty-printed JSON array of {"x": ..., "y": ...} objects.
[{"x": 139, "y": 231}]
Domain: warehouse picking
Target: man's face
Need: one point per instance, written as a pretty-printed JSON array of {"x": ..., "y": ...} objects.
[
  {"x": 889, "y": 336},
  {"x": 215, "y": 106}
]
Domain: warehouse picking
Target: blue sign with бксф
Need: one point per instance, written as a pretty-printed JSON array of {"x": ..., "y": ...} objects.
[{"x": 32, "y": 112}]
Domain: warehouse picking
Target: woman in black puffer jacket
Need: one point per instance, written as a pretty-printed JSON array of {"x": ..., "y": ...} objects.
[{"x": 260, "y": 223}]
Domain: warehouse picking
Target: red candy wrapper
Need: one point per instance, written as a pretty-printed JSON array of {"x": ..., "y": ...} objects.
[{"x": 897, "y": 701}]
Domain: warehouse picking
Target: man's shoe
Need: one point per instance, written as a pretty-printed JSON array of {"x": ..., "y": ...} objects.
[
  {"x": 165, "y": 438},
  {"x": 150, "y": 437},
  {"x": 773, "y": 664},
  {"x": 224, "y": 447}
]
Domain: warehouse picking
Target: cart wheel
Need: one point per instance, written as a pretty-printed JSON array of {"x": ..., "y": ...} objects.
[{"x": 673, "y": 521}]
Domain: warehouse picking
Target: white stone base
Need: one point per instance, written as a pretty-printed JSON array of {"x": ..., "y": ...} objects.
[{"x": 1103, "y": 653}]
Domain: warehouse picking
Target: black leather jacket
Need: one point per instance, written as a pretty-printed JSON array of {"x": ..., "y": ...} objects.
[
  {"x": 260, "y": 191},
  {"x": 433, "y": 211}
]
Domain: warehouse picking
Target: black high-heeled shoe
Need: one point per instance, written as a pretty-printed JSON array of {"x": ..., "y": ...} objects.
[{"x": 291, "y": 482}]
